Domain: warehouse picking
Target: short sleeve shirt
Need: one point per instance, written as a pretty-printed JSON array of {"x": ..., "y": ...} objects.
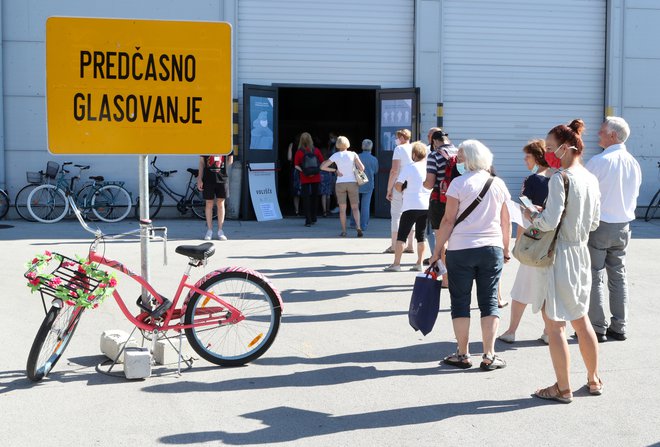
[{"x": 345, "y": 160}]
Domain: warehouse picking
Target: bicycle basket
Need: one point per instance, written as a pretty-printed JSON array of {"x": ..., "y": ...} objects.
[
  {"x": 52, "y": 168},
  {"x": 34, "y": 177},
  {"x": 70, "y": 280}
]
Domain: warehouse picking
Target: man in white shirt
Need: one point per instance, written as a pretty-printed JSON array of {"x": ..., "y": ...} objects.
[
  {"x": 619, "y": 177},
  {"x": 401, "y": 158}
]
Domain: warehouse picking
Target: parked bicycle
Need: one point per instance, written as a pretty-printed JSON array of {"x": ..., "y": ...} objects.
[
  {"x": 191, "y": 199},
  {"x": 4, "y": 203},
  {"x": 34, "y": 179},
  {"x": 230, "y": 316},
  {"x": 653, "y": 206},
  {"x": 107, "y": 201}
]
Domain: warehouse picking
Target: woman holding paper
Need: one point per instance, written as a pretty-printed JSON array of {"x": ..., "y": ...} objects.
[{"x": 529, "y": 279}]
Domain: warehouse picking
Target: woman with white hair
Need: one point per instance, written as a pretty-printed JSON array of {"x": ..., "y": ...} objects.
[
  {"x": 476, "y": 227},
  {"x": 346, "y": 183}
]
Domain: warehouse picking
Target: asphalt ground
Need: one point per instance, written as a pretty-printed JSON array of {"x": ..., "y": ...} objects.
[{"x": 345, "y": 370}]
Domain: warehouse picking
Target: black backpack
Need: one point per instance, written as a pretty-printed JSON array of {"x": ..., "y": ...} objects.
[{"x": 310, "y": 164}]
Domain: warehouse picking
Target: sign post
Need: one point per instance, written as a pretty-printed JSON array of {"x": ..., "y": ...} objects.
[{"x": 119, "y": 86}]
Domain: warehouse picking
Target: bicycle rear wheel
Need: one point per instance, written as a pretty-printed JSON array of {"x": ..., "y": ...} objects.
[
  {"x": 111, "y": 203},
  {"x": 155, "y": 202},
  {"x": 21, "y": 201},
  {"x": 4, "y": 204},
  {"x": 242, "y": 342},
  {"x": 198, "y": 205},
  {"x": 653, "y": 207},
  {"x": 47, "y": 204},
  {"x": 51, "y": 340}
]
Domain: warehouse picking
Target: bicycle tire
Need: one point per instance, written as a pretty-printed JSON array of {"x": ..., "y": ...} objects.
[
  {"x": 51, "y": 340},
  {"x": 242, "y": 289},
  {"x": 83, "y": 201},
  {"x": 47, "y": 204},
  {"x": 155, "y": 202},
  {"x": 198, "y": 205},
  {"x": 111, "y": 203},
  {"x": 4, "y": 203},
  {"x": 21, "y": 201},
  {"x": 653, "y": 207}
]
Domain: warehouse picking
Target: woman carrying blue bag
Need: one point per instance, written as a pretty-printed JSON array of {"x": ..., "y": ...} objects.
[{"x": 476, "y": 226}]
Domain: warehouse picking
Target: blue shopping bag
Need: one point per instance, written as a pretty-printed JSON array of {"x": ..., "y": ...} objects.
[{"x": 425, "y": 302}]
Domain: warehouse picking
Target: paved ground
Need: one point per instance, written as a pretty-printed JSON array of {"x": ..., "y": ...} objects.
[{"x": 345, "y": 370}]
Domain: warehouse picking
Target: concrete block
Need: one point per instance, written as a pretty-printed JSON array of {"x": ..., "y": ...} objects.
[
  {"x": 112, "y": 342},
  {"x": 137, "y": 363},
  {"x": 165, "y": 354}
]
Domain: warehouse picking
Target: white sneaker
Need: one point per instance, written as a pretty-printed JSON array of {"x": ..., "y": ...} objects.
[
  {"x": 221, "y": 235},
  {"x": 208, "y": 235}
]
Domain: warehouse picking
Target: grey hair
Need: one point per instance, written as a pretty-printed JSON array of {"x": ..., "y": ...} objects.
[
  {"x": 477, "y": 155},
  {"x": 619, "y": 126},
  {"x": 367, "y": 144}
]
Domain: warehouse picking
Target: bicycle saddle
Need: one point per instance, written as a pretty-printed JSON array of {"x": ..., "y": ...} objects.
[
  {"x": 193, "y": 171},
  {"x": 199, "y": 252},
  {"x": 98, "y": 178}
]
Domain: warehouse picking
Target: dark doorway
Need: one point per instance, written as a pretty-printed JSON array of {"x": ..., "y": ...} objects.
[{"x": 346, "y": 111}]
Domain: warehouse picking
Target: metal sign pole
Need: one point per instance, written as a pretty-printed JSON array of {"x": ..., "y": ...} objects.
[{"x": 143, "y": 187}]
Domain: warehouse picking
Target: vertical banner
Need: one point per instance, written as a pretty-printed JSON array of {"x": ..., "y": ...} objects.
[
  {"x": 395, "y": 114},
  {"x": 262, "y": 191},
  {"x": 261, "y": 117}
]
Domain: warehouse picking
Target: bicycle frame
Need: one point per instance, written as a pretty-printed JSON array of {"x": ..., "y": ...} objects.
[
  {"x": 185, "y": 198},
  {"x": 164, "y": 322}
]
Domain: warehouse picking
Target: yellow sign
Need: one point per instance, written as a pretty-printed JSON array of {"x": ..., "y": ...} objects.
[{"x": 138, "y": 86}]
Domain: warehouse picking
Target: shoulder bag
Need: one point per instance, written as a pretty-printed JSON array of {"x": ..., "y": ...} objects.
[
  {"x": 476, "y": 201},
  {"x": 360, "y": 177},
  {"x": 537, "y": 248}
]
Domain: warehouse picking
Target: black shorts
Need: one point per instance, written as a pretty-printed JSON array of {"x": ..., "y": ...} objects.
[
  {"x": 214, "y": 190},
  {"x": 436, "y": 213}
]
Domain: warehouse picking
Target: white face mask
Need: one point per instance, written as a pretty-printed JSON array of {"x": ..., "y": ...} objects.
[
  {"x": 397, "y": 142},
  {"x": 460, "y": 167},
  {"x": 535, "y": 169},
  {"x": 264, "y": 123}
]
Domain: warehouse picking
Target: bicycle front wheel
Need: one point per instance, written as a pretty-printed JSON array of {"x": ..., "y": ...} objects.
[
  {"x": 52, "y": 339},
  {"x": 47, "y": 204},
  {"x": 653, "y": 207},
  {"x": 111, "y": 203},
  {"x": 242, "y": 342},
  {"x": 4, "y": 204},
  {"x": 21, "y": 201}
]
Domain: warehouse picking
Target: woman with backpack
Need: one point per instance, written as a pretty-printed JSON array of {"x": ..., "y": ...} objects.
[
  {"x": 308, "y": 161},
  {"x": 346, "y": 185}
]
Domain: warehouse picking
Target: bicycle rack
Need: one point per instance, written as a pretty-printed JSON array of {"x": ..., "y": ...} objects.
[{"x": 109, "y": 364}]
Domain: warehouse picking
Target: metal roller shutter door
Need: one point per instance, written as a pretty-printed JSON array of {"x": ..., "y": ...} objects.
[{"x": 513, "y": 69}]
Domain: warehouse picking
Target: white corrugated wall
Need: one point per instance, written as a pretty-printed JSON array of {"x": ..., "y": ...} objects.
[
  {"x": 343, "y": 42},
  {"x": 513, "y": 69}
]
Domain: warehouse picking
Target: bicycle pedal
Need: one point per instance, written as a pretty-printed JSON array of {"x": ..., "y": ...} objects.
[{"x": 158, "y": 311}]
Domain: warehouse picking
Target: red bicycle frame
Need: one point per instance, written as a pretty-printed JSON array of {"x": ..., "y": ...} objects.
[{"x": 231, "y": 315}]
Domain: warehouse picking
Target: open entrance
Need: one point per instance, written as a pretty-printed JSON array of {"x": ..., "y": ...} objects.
[{"x": 319, "y": 111}]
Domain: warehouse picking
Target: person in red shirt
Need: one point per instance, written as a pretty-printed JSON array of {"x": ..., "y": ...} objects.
[{"x": 308, "y": 161}]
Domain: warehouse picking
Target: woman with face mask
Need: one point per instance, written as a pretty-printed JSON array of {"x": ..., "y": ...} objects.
[
  {"x": 528, "y": 278},
  {"x": 566, "y": 297}
]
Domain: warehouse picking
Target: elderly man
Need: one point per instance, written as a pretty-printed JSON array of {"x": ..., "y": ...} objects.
[
  {"x": 619, "y": 177},
  {"x": 366, "y": 191}
]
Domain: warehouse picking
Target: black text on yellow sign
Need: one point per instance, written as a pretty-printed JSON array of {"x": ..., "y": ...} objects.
[{"x": 138, "y": 86}]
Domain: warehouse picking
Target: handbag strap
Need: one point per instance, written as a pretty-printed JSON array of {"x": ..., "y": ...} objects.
[
  {"x": 476, "y": 201},
  {"x": 563, "y": 213}
]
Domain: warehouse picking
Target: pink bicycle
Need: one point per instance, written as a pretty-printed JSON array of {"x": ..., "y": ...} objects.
[{"x": 230, "y": 316}]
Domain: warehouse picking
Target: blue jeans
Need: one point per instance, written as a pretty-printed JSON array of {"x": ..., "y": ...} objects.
[
  {"x": 365, "y": 205},
  {"x": 483, "y": 265}
]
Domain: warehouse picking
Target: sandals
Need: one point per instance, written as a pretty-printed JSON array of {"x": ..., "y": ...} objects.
[
  {"x": 494, "y": 362},
  {"x": 389, "y": 250},
  {"x": 458, "y": 360},
  {"x": 343, "y": 234},
  {"x": 359, "y": 232},
  {"x": 409, "y": 250},
  {"x": 595, "y": 388},
  {"x": 554, "y": 393}
]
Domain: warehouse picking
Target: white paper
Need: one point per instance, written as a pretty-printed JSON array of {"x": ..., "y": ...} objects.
[{"x": 515, "y": 214}]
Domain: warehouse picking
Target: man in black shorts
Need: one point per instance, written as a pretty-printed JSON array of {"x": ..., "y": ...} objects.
[
  {"x": 212, "y": 180},
  {"x": 442, "y": 150}
]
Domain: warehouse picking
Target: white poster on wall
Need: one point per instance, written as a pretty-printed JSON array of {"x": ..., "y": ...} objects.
[{"x": 261, "y": 177}]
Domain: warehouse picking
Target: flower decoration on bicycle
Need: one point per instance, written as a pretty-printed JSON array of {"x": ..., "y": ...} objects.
[{"x": 76, "y": 282}]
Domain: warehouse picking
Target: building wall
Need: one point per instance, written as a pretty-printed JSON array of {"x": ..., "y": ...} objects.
[{"x": 23, "y": 91}]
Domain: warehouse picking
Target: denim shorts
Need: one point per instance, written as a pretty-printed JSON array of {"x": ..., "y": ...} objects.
[{"x": 482, "y": 265}]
